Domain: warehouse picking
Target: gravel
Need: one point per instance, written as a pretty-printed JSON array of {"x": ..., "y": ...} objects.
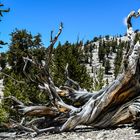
[{"x": 87, "y": 133}]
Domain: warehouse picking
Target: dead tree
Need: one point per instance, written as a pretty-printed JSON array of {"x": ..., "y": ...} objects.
[{"x": 118, "y": 103}]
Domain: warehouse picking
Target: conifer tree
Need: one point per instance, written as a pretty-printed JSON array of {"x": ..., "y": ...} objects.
[
  {"x": 22, "y": 45},
  {"x": 107, "y": 49},
  {"x": 101, "y": 51},
  {"x": 99, "y": 82},
  {"x": 107, "y": 66},
  {"x": 118, "y": 59},
  {"x": 70, "y": 54}
]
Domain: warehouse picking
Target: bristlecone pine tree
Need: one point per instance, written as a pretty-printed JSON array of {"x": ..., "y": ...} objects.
[{"x": 118, "y": 103}]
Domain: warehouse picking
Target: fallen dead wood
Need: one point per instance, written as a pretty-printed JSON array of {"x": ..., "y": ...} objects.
[{"x": 118, "y": 103}]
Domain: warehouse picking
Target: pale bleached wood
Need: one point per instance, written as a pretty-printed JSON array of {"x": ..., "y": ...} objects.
[{"x": 118, "y": 103}]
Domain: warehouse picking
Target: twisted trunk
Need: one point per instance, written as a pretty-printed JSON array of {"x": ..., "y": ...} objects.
[{"x": 118, "y": 103}]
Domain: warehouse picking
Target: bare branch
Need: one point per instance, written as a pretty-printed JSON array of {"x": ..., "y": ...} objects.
[
  {"x": 50, "y": 129},
  {"x": 129, "y": 18},
  {"x": 51, "y": 36},
  {"x": 15, "y": 100},
  {"x": 35, "y": 121},
  {"x": 53, "y": 41},
  {"x": 26, "y": 60},
  {"x": 69, "y": 81},
  {"x": 50, "y": 88},
  {"x": 20, "y": 126}
]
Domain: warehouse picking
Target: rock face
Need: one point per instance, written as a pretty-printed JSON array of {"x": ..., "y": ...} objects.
[{"x": 94, "y": 65}]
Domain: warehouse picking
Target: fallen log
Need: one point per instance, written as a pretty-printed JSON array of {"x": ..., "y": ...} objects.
[{"x": 118, "y": 103}]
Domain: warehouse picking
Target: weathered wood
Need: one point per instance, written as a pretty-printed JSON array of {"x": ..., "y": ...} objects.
[{"x": 118, "y": 103}]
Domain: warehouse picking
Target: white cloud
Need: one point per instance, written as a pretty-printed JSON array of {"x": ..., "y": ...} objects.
[{"x": 124, "y": 21}]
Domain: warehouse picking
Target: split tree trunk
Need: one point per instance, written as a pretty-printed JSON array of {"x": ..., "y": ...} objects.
[{"x": 118, "y": 103}]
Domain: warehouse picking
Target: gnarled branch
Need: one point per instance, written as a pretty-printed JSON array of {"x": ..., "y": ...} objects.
[{"x": 118, "y": 103}]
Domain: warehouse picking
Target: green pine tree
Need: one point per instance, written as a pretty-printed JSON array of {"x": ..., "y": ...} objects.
[
  {"x": 99, "y": 82},
  {"x": 70, "y": 54},
  {"x": 118, "y": 59},
  {"x": 107, "y": 66},
  {"x": 101, "y": 51}
]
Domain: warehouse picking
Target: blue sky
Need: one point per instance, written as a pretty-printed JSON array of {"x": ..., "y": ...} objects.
[{"x": 83, "y": 18}]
